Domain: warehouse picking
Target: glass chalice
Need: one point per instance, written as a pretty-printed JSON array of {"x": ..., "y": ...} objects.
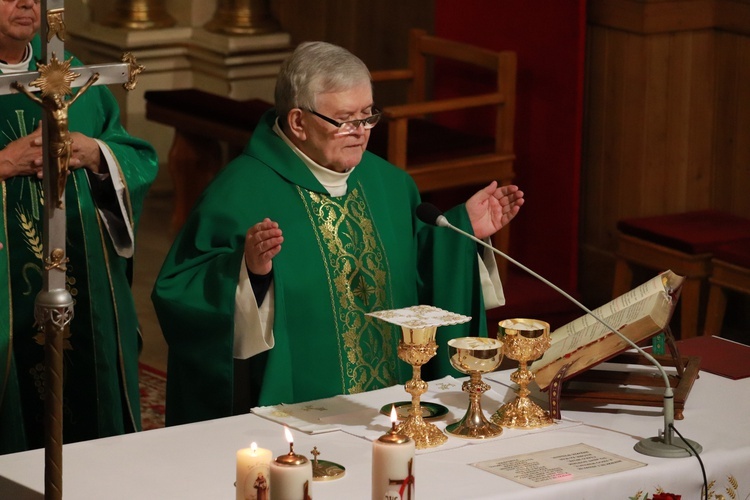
[
  {"x": 523, "y": 340},
  {"x": 475, "y": 356}
]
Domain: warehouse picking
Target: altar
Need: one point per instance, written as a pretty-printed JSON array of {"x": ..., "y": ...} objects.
[{"x": 197, "y": 461}]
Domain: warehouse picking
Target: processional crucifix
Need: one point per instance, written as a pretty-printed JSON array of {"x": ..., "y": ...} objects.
[{"x": 54, "y": 304}]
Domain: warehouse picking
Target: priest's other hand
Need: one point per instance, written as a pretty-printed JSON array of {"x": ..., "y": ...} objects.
[
  {"x": 22, "y": 156},
  {"x": 262, "y": 243},
  {"x": 492, "y": 208},
  {"x": 85, "y": 153}
]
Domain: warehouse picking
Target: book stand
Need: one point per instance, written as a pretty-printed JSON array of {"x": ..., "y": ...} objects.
[{"x": 615, "y": 382}]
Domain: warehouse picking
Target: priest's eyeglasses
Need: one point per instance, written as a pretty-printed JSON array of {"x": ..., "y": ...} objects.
[{"x": 351, "y": 126}]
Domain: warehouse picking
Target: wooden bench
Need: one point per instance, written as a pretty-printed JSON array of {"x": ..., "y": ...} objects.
[
  {"x": 730, "y": 270},
  {"x": 209, "y": 130},
  {"x": 681, "y": 242}
]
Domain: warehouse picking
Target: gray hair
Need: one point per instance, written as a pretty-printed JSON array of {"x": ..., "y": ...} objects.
[{"x": 315, "y": 68}]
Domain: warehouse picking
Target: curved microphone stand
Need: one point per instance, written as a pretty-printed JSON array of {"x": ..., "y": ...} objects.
[{"x": 665, "y": 444}]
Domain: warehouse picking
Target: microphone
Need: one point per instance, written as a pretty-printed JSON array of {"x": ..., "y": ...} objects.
[{"x": 664, "y": 445}]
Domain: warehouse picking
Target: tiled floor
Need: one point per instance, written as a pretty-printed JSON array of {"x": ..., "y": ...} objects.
[{"x": 152, "y": 244}]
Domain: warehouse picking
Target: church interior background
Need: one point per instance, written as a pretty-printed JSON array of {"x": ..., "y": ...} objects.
[{"x": 624, "y": 108}]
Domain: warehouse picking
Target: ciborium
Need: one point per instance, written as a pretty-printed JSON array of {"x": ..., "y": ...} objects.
[
  {"x": 475, "y": 356},
  {"x": 416, "y": 347},
  {"x": 524, "y": 340}
]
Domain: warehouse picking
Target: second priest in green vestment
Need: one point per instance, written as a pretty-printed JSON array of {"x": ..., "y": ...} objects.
[{"x": 101, "y": 394}]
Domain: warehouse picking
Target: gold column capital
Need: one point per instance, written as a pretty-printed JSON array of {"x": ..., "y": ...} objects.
[
  {"x": 139, "y": 15},
  {"x": 242, "y": 17}
]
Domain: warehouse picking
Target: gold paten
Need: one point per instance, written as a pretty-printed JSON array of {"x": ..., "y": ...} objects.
[
  {"x": 474, "y": 356},
  {"x": 424, "y": 434},
  {"x": 523, "y": 340},
  {"x": 323, "y": 470}
]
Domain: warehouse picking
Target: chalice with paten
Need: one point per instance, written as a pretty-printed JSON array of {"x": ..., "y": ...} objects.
[
  {"x": 474, "y": 356},
  {"x": 416, "y": 347},
  {"x": 524, "y": 340}
]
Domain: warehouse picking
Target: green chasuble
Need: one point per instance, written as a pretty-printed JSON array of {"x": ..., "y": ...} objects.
[
  {"x": 100, "y": 378},
  {"x": 341, "y": 258}
]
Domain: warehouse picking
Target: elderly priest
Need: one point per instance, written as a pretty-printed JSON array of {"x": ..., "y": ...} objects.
[{"x": 263, "y": 297}]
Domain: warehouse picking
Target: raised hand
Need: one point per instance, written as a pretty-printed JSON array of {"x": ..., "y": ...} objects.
[
  {"x": 262, "y": 243},
  {"x": 493, "y": 207}
]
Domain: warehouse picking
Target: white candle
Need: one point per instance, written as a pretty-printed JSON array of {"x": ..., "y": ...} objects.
[
  {"x": 393, "y": 465},
  {"x": 253, "y": 473},
  {"x": 291, "y": 475}
]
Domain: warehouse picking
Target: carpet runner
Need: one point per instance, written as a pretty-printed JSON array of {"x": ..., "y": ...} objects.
[{"x": 153, "y": 385}]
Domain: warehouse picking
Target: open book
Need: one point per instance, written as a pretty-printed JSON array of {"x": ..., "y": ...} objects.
[{"x": 585, "y": 342}]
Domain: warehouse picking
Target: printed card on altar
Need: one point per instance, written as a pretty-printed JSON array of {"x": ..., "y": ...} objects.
[{"x": 547, "y": 467}]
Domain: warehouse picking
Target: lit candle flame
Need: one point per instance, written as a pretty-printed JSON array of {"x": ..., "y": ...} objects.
[
  {"x": 253, "y": 448},
  {"x": 288, "y": 435},
  {"x": 290, "y": 439},
  {"x": 394, "y": 417}
]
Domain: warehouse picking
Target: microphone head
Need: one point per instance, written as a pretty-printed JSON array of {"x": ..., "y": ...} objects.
[{"x": 429, "y": 213}]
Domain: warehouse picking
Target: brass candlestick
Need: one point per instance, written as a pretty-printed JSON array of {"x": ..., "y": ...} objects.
[
  {"x": 474, "y": 356},
  {"x": 523, "y": 340},
  {"x": 416, "y": 348}
]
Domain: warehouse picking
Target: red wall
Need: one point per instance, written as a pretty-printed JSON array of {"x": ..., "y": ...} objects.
[{"x": 549, "y": 40}]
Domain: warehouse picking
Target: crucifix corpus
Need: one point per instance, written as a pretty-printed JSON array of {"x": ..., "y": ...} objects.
[{"x": 52, "y": 88}]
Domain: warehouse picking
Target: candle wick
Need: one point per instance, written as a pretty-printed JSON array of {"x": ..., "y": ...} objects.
[{"x": 291, "y": 448}]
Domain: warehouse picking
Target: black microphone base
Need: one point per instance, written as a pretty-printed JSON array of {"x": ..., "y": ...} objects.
[{"x": 656, "y": 447}]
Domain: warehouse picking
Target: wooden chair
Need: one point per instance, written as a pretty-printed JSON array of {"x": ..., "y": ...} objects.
[
  {"x": 730, "y": 270},
  {"x": 683, "y": 243},
  {"x": 437, "y": 156}
]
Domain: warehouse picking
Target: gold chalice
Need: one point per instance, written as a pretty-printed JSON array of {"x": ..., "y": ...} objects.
[
  {"x": 417, "y": 347},
  {"x": 523, "y": 340},
  {"x": 475, "y": 356}
]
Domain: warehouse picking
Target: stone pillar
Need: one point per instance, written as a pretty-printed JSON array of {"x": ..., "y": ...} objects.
[{"x": 182, "y": 55}]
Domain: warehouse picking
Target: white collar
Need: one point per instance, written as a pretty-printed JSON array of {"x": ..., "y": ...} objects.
[
  {"x": 18, "y": 67},
  {"x": 334, "y": 182}
]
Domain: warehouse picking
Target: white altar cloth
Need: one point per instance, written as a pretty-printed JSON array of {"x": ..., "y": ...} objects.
[
  {"x": 197, "y": 461},
  {"x": 360, "y": 415}
]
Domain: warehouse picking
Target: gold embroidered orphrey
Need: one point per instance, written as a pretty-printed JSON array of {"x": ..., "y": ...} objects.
[{"x": 358, "y": 279}]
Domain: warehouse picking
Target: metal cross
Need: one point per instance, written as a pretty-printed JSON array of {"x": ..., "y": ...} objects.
[{"x": 54, "y": 303}]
